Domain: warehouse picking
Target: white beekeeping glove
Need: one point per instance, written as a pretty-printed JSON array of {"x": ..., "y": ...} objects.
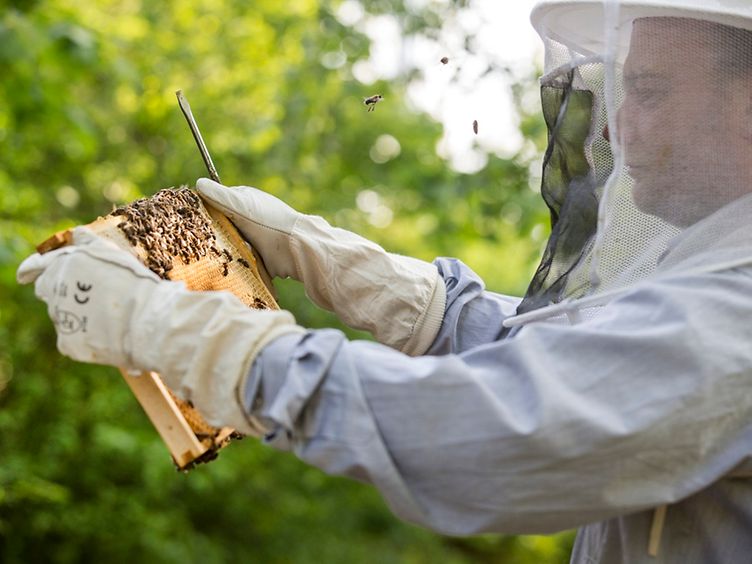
[
  {"x": 110, "y": 309},
  {"x": 398, "y": 299}
]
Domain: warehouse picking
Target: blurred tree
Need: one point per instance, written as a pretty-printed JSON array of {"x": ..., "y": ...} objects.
[{"x": 88, "y": 119}]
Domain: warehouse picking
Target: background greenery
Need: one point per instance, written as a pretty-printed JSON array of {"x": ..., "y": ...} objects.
[{"x": 88, "y": 119}]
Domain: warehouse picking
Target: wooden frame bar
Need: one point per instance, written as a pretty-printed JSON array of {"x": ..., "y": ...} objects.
[{"x": 166, "y": 417}]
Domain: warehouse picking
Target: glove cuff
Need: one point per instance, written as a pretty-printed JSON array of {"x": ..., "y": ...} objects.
[
  {"x": 236, "y": 415},
  {"x": 400, "y": 300},
  {"x": 429, "y": 321},
  {"x": 203, "y": 345}
]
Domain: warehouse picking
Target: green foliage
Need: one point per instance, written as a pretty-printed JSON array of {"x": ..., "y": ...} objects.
[{"x": 88, "y": 119}]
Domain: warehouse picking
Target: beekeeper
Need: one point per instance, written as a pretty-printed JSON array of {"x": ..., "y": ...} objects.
[{"x": 620, "y": 383}]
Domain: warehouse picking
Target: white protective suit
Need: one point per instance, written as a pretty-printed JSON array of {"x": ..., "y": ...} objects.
[{"x": 555, "y": 426}]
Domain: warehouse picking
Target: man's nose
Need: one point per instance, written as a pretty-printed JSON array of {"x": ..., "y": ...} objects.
[{"x": 620, "y": 124}]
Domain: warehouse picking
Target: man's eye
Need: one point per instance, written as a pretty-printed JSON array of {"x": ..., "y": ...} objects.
[{"x": 646, "y": 94}]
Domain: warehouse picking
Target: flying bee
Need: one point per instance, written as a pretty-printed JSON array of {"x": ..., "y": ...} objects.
[
  {"x": 371, "y": 101},
  {"x": 475, "y": 126},
  {"x": 444, "y": 60}
]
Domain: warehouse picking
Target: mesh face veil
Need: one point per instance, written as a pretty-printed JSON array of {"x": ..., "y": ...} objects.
[{"x": 649, "y": 165}]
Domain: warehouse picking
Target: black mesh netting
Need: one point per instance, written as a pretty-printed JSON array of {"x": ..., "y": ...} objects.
[{"x": 568, "y": 188}]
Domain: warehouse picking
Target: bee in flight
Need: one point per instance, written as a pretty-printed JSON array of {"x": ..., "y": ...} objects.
[{"x": 371, "y": 101}]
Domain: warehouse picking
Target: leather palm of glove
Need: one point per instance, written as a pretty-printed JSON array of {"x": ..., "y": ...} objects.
[
  {"x": 110, "y": 309},
  {"x": 398, "y": 299}
]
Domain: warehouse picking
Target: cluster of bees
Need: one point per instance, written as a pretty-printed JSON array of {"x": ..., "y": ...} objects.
[
  {"x": 168, "y": 225},
  {"x": 371, "y": 101}
]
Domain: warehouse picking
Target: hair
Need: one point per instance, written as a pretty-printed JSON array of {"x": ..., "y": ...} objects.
[
  {"x": 733, "y": 45},
  {"x": 735, "y": 52},
  {"x": 730, "y": 46}
]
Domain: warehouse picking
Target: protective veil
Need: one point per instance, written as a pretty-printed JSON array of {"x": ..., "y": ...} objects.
[
  {"x": 649, "y": 162},
  {"x": 648, "y": 171}
]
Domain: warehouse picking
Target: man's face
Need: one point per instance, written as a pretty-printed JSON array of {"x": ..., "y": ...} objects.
[{"x": 680, "y": 122}]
